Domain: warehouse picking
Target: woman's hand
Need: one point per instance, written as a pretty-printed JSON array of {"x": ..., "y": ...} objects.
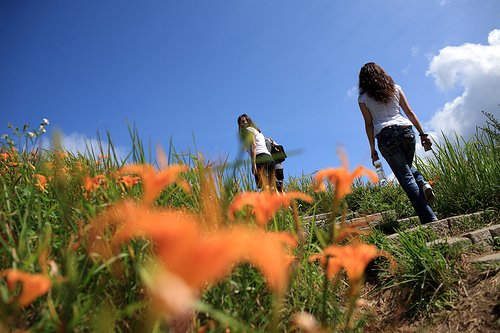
[
  {"x": 426, "y": 142},
  {"x": 254, "y": 169}
]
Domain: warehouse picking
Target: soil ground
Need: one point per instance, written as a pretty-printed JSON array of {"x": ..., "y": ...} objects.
[{"x": 476, "y": 307}]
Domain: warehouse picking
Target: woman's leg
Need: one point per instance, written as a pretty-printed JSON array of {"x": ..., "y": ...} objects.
[
  {"x": 279, "y": 179},
  {"x": 265, "y": 172},
  {"x": 258, "y": 176},
  {"x": 408, "y": 146},
  {"x": 397, "y": 149},
  {"x": 271, "y": 175}
]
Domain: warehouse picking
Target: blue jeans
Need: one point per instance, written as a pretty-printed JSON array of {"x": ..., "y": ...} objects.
[{"x": 397, "y": 145}]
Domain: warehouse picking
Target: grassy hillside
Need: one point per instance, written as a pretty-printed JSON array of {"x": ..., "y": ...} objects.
[{"x": 93, "y": 243}]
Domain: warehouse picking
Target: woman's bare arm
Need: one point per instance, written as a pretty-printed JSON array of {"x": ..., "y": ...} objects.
[
  {"x": 367, "y": 116},
  {"x": 412, "y": 116}
]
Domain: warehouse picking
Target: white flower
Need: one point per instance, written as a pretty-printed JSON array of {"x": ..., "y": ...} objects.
[
  {"x": 45, "y": 121},
  {"x": 43, "y": 130},
  {"x": 5, "y": 136},
  {"x": 31, "y": 134}
]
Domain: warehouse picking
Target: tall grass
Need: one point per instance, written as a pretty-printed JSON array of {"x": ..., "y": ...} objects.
[
  {"x": 46, "y": 231},
  {"x": 465, "y": 172}
]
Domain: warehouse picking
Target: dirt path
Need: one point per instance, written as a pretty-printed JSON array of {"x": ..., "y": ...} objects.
[
  {"x": 475, "y": 309},
  {"x": 476, "y": 305}
]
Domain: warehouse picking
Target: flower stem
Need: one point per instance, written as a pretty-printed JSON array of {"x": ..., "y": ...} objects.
[{"x": 324, "y": 316}]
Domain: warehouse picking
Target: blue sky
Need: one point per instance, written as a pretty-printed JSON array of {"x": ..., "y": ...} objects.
[{"x": 180, "y": 69}]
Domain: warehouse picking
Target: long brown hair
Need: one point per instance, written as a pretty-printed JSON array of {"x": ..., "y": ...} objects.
[
  {"x": 246, "y": 136},
  {"x": 249, "y": 120},
  {"x": 374, "y": 81}
]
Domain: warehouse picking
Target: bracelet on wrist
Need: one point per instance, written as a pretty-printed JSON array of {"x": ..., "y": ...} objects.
[{"x": 424, "y": 135}]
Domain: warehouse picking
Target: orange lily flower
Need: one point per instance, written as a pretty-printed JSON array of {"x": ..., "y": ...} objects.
[
  {"x": 265, "y": 204},
  {"x": 9, "y": 154},
  {"x": 167, "y": 225},
  {"x": 353, "y": 258},
  {"x": 154, "y": 182},
  {"x": 33, "y": 285},
  {"x": 433, "y": 181},
  {"x": 205, "y": 259},
  {"x": 78, "y": 167},
  {"x": 61, "y": 154},
  {"x": 341, "y": 177},
  {"x": 127, "y": 219},
  {"x": 49, "y": 166},
  {"x": 129, "y": 181},
  {"x": 192, "y": 257},
  {"x": 92, "y": 184},
  {"x": 196, "y": 257},
  {"x": 41, "y": 182},
  {"x": 269, "y": 251},
  {"x": 332, "y": 264}
]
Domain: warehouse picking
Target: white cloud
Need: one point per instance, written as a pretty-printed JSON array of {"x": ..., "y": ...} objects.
[
  {"x": 476, "y": 69},
  {"x": 406, "y": 70},
  {"x": 494, "y": 37},
  {"x": 353, "y": 92},
  {"x": 77, "y": 143},
  {"x": 428, "y": 56},
  {"x": 415, "y": 50},
  {"x": 444, "y": 2}
]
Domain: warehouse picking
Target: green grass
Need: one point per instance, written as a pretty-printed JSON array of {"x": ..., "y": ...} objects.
[
  {"x": 466, "y": 172},
  {"x": 89, "y": 295},
  {"x": 429, "y": 275},
  {"x": 426, "y": 277}
]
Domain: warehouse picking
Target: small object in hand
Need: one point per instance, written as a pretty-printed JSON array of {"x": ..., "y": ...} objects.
[
  {"x": 425, "y": 141},
  {"x": 382, "y": 181}
]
